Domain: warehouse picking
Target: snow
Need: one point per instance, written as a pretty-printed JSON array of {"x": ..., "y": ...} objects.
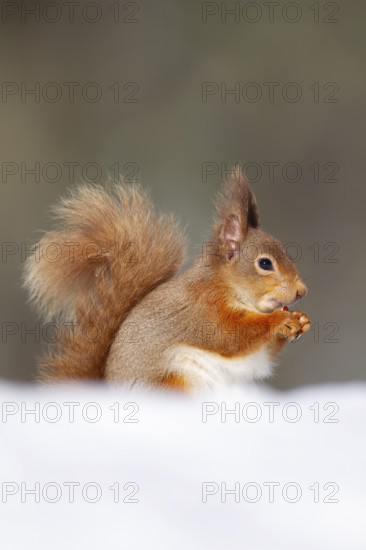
[{"x": 101, "y": 467}]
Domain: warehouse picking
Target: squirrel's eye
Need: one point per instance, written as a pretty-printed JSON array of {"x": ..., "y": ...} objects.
[{"x": 265, "y": 263}]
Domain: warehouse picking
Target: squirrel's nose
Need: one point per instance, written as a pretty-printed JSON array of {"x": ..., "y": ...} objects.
[{"x": 301, "y": 291}]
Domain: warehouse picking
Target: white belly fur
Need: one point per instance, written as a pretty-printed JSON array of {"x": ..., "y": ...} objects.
[{"x": 209, "y": 369}]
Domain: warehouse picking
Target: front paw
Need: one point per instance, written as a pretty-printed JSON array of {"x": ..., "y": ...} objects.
[{"x": 292, "y": 326}]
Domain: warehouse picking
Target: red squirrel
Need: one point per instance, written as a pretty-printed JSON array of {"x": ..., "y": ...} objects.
[{"x": 125, "y": 316}]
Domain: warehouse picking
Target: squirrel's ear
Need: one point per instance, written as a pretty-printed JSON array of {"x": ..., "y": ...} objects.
[{"x": 236, "y": 210}]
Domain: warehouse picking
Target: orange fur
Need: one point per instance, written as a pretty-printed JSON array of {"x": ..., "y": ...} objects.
[
  {"x": 174, "y": 381},
  {"x": 229, "y": 331}
]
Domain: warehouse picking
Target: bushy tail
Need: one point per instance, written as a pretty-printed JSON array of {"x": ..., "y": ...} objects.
[{"x": 110, "y": 249}]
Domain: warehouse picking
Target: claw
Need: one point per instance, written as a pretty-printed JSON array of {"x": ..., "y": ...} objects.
[{"x": 296, "y": 338}]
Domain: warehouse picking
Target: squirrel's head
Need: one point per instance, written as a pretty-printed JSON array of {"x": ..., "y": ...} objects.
[{"x": 259, "y": 272}]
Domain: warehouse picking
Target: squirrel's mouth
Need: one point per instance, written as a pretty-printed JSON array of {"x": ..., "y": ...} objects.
[
  {"x": 268, "y": 305},
  {"x": 274, "y": 304}
]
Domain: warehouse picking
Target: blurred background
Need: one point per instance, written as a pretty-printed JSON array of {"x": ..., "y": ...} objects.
[{"x": 174, "y": 93}]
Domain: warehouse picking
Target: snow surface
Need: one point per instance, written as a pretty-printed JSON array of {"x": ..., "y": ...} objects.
[{"x": 170, "y": 461}]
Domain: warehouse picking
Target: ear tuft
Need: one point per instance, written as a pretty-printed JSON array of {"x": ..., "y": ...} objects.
[{"x": 236, "y": 209}]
